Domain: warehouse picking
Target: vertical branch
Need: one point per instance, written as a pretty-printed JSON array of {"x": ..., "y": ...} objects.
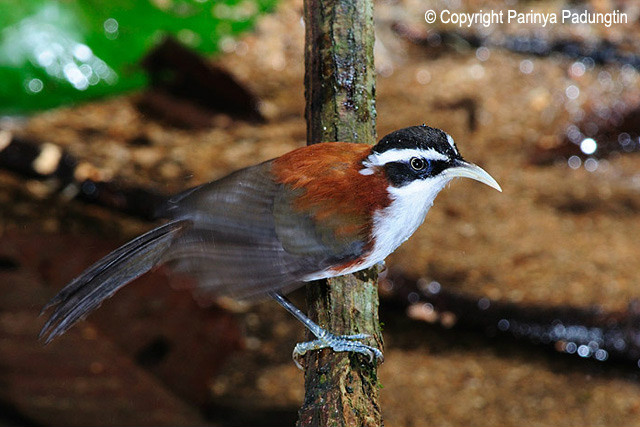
[
  {"x": 341, "y": 388},
  {"x": 339, "y": 71}
]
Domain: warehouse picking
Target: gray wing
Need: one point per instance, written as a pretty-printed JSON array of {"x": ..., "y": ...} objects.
[{"x": 246, "y": 240}]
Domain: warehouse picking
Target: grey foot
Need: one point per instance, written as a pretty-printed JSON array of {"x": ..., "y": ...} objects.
[{"x": 338, "y": 343}]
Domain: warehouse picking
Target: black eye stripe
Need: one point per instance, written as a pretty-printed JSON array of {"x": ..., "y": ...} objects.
[
  {"x": 438, "y": 166},
  {"x": 399, "y": 174},
  {"x": 403, "y": 173}
]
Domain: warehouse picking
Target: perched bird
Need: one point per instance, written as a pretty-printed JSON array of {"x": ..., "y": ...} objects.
[{"x": 316, "y": 212}]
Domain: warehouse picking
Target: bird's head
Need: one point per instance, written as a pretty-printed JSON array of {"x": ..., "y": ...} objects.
[{"x": 421, "y": 160}]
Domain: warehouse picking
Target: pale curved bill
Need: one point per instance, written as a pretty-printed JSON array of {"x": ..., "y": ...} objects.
[{"x": 469, "y": 170}]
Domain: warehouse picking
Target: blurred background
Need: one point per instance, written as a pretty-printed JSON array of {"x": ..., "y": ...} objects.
[{"x": 513, "y": 308}]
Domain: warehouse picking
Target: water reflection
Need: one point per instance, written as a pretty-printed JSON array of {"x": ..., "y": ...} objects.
[{"x": 588, "y": 146}]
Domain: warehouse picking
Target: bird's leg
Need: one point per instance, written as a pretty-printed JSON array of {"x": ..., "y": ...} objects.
[{"x": 325, "y": 338}]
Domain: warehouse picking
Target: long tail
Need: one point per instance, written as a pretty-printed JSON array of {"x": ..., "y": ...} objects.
[{"x": 100, "y": 281}]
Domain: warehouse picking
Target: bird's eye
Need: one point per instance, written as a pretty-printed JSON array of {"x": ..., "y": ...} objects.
[{"x": 417, "y": 163}]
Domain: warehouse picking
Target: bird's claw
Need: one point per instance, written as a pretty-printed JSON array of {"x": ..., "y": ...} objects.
[{"x": 338, "y": 343}]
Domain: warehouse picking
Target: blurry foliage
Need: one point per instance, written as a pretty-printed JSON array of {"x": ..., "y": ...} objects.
[{"x": 54, "y": 52}]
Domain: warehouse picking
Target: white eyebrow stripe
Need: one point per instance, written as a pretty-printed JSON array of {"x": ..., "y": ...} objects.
[
  {"x": 452, "y": 143},
  {"x": 402, "y": 154}
]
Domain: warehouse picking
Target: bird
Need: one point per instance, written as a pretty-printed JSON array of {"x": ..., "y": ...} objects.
[{"x": 319, "y": 211}]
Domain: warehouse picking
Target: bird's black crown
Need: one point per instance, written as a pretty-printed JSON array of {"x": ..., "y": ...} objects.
[{"x": 422, "y": 136}]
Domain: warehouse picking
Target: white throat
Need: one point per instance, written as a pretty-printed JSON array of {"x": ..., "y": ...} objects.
[{"x": 396, "y": 223}]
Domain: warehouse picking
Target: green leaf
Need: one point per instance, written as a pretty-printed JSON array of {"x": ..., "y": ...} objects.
[{"x": 56, "y": 52}]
